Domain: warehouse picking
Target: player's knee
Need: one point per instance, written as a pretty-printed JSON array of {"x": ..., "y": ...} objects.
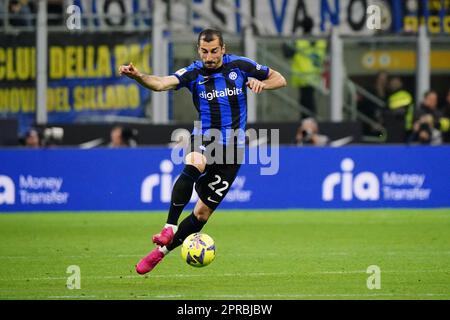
[
  {"x": 197, "y": 160},
  {"x": 203, "y": 213}
]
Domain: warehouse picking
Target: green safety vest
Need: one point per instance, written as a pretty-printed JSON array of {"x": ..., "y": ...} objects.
[
  {"x": 307, "y": 62},
  {"x": 403, "y": 99},
  {"x": 444, "y": 124},
  {"x": 399, "y": 99}
]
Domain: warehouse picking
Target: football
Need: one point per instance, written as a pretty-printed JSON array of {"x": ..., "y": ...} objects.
[{"x": 198, "y": 250}]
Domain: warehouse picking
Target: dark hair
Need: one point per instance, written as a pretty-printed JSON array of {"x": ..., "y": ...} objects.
[
  {"x": 308, "y": 25},
  {"x": 428, "y": 92},
  {"x": 209, "y": 35},
  {"x": 128, "y": 133}
]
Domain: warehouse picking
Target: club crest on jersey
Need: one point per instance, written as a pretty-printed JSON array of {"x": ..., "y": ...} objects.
[{"x": 233, "y": 76}]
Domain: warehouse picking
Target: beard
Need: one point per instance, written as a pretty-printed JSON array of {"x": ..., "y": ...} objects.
[{"x": 211, "y": 64}]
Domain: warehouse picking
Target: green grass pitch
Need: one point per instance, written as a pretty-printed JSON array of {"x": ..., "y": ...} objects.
[{"x": 289, "y": 254}]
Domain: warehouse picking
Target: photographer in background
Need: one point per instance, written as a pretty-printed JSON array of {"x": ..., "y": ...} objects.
[
  {"x": 52, "y": 137},
  {"x": 308, "y": 134},
  {"x": 32, "y": 139},
  {"x": 424, "y": 132},
  {"x": 123, "y": 137},
  {"x": 429, "y": 106},
  {"x": 42, "y": 137}
]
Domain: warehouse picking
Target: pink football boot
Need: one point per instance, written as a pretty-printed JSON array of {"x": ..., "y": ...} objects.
[
  {"x": 149, "y": 262},
  {"x": 164, "y": 237}
]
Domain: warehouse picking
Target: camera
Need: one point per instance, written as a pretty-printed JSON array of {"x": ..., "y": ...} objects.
[
  {"x": 424, "y": 133},
  {"x": 424, "y": 127},
  {"x": 129, "y": 136},
  {"x": 307, "y": 135},
  {"x": 52, "y": 136}
]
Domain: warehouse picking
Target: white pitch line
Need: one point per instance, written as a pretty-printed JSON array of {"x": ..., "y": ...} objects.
[
  {"x": 382, "y": 271},
  {"x": 246, "y": 255},
  {"x": 43, "y": 257},
  {"x": 70, "y": 297},
  {"x": 152, "y": 276},
  {"x": 73, "y": 256},
  {"x": 255, "y": 274}
]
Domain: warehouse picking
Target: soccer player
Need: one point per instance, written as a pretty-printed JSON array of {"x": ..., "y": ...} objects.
[{"x": 218, "y": 83}]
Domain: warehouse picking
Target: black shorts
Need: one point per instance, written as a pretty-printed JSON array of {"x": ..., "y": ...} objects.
[
  {"x": 214, "y": 184},
  {"x": 223, "y": 164}
]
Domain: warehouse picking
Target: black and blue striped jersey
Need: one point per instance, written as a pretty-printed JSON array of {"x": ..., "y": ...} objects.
[{"x": 220, "y": 95}]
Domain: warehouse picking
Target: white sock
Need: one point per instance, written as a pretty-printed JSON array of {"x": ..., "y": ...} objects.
[
  {"x": 163, "y": 250},
  {"x": 173, "y": 226}
]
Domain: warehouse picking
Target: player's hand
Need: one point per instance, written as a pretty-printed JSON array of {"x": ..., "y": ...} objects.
[
  {"x": 129, "y": 70},
  {"x": 255, "y": 85}
]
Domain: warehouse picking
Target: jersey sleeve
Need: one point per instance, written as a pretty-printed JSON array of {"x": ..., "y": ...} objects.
[
  {"x": 252, "y": 68},
  {"x": 186, "y": 75}
]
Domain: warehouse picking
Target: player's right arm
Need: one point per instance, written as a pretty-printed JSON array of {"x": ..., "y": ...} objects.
[{"x": 151, "y": 82}]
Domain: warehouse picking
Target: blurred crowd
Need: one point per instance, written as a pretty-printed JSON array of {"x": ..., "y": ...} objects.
[
  {"x": 429, "y": 123},
  {"x": 119, "y": 137},
  {"x": 20, "y": 12},
  {"x": 394, "y": 113}
]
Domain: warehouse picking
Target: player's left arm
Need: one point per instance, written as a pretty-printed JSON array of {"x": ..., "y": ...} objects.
[{"x": 274, "y": 80}]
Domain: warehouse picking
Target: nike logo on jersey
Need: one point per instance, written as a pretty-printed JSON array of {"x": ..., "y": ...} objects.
[
  {"x": 209, "y": 199},
  {"x": 206, "y": 79}
]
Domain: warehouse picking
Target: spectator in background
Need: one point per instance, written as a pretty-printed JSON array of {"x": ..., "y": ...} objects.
[
  {"x": 446, "y": 117},
  {"x": 308, "y": 134},
  {"x": 398, "y": 117},
  {"x": 370, "y": 108},
  {"x": 424, "y": 131},
  {"x": 429, "y": 106},
  {"x": 381, "y": 85},
  {"x": 123, "y": 137},
  {"x": 20, "y": 14},
  {"x": 308, "y": 61},
  {"x": 32, "y": 139}
]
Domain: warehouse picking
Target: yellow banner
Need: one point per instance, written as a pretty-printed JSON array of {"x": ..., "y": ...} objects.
[
  {"x": 73, "y": 62},
  {"x": 403, "y": 60},
  {"x": 94, "y": 98}
]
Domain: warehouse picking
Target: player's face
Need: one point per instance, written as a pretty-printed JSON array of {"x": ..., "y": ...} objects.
[{"x": 211, "y": 53}]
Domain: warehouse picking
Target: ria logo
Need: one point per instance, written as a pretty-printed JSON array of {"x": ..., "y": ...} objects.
[
  {"x": 364, "y": 186},
  {"x": 165, "y": 181},
  {"x": 7, "y": 190}
]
